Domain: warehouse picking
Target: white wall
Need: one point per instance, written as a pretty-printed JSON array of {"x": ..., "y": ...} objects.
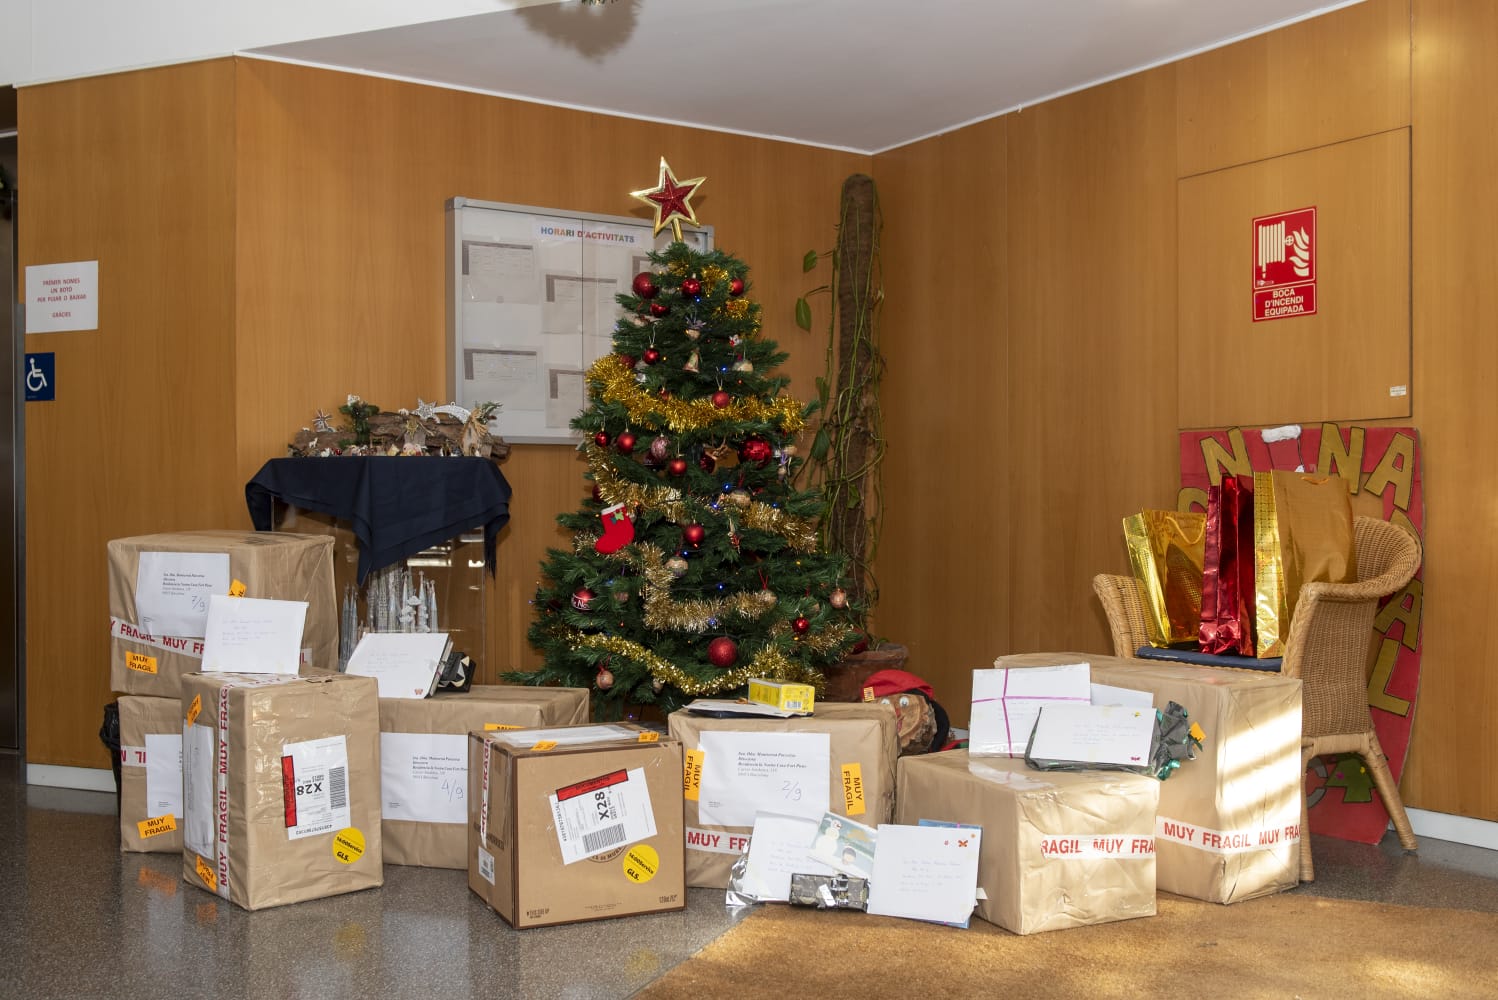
[{"x": 42, "y": 40}]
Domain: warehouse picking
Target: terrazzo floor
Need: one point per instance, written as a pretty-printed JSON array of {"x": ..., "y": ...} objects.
[{"x": 79, "y": 919}]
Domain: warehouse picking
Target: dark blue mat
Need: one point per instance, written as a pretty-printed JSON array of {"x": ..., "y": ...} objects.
[{"x": 1270, "y": 663}]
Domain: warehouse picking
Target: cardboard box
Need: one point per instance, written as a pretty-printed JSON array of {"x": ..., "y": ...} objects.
[
  {"x": 861, "y": 741},
  {"x": 150, "y": 774},
  {"x": 1060, "y": 848},
  {"x": 424, "y": 762},
  {"x": 277, "y": 566},
  {"x": 281, "y": 786},
  {"x": 1229, "y": 823},
  {"x": 575, "y": 823},
  {"x": 783, "y": 695}
]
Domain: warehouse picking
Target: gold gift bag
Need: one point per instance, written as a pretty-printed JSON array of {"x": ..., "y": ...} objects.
[
  {"x": 1166, "y": 549},
  {"x": 1302, "y": 533}
]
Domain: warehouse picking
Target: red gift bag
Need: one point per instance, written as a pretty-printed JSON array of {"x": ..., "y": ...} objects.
[{"x": 1227, "y": 624}]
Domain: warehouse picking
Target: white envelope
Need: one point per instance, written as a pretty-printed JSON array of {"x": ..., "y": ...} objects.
[
  {"x": 251, "y": 635},
  {"x": 1094, "y": 734},
  {"x": 405, "y": 664},
  {"x": 1006, "y": 702}
]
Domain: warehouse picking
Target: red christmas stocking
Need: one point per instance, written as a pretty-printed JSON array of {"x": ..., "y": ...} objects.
[{"x": 618, "y": 529}]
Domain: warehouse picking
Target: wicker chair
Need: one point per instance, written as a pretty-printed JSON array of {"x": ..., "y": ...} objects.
[{"x": 1327, "y": 648}]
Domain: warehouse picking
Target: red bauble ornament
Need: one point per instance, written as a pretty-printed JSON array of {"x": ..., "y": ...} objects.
[
  {"x": 693, "y": 534},
  {"x": 756, "y": 450},
  {"x": 601, "y": 439},
  {"x": 664, "y": 393},
  {"x": 628, "y": 361},
  {"x": 582, "y": 597},
  {"x": 736, "y": 287},
  {"x": 651, "y": 356},
  {"x": 706, "y": 462},
  {"x": 625, "y": 443},
  {"x": 800, "y": 624},
  {"x": 722, "y": 398},
  {"x": 605, "y": 679},
  {"x": 644, "y": 285},
  {"x": 597, "y": 493},
  {"x": 677, "y": 466},
  {"x": 659, "y": 309},
  {"x": 691, "y": 287},
  {"x": 722, "y": 652}
]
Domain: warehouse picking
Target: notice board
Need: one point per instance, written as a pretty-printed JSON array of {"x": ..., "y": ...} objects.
[{"x": 531, "y": 305}]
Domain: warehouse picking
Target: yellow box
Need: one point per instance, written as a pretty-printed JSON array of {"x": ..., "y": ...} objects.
[{"x": 783, "y": 695}]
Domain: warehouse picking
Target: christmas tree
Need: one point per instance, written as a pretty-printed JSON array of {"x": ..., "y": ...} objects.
[{"x": 695, "y": 565}]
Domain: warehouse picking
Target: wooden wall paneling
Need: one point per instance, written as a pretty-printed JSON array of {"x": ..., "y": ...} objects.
[
  {"x": 1334, "y": 77},
  {"x": 342, "y": 184},
  {"x": 1349, "y": 361},
  {"x": 1091, "y": 391},
  {"x": 942, "y": 563},
  {"x": 1455, "y": 300},
  {"x": 135, "y": 171}
]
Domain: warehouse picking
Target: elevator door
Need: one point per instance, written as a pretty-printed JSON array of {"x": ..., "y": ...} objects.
[{"x": 11, "y": 534}]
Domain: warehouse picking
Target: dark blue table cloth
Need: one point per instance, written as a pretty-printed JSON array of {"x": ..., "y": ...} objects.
[
  {"x": 1268, "y": 663},
  {"x": 397, "y": 507}
]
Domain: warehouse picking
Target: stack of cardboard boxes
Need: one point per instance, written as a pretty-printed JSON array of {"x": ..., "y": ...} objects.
[{"x": 283, "y": 788}]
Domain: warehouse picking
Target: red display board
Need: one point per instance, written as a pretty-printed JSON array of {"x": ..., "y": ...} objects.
[
  {"x": 1383, "y": 467},
  {"x": 1284, "y": 264}
]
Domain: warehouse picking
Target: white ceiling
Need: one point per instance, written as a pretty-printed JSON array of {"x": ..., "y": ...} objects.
[{"x": 862, "y": 75}]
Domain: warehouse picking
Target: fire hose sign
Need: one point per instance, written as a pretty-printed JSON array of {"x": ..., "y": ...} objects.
[{"x": 1284, "y": 264}]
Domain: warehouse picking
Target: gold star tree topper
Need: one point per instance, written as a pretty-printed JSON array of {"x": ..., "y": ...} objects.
[{"x": 671, "y": 199}]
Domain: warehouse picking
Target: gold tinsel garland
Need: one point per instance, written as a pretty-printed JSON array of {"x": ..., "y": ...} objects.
[
  {"x": 800, "y": 533},
  {"x": 769, "y": 662},
  {"x": 616, "y": 384}
]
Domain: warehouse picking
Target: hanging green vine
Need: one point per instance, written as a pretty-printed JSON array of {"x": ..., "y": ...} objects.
[{"x": 847, "y": 451}]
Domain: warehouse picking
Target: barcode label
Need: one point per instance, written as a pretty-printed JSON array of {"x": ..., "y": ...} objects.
[
  {"x": 338, "y": 788},
  {"x": 600, "y": 840},
  {"x": 315, "y": 775},
  {"x": 600, "y": 813}
]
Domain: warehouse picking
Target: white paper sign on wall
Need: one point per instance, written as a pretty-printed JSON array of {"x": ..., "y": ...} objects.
[{"x": 62, "y": 297}]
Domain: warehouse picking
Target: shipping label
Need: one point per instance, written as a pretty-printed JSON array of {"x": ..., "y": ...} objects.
[
  {"x": 600, "y": 814},
  {"x": 315, "y": 786}
]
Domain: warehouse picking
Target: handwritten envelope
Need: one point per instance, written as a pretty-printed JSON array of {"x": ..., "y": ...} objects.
[
  {"x": 1110, "y": 735},
  {"x": 1006, "y": 702},
  {"x": 252, "y": 635},
  {"x": 925, "y": 872}
]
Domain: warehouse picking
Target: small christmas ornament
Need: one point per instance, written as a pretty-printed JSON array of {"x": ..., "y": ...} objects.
[
  {"x": 691, "y": 287},
  {"x": 693, "y": 534},
  {"x": 736, "y": 287},
  {"x": 800, "y": 624},
  {"x": 671, "y": 199},
  {"x": 625, "y": 442},
  {"x": 659, "y": 309},
  {"x": 767, "y": 597},
  {"x": 743, "y": 365},
  {"x": 663, "y": 392},
  {"x": 677, "y": 466},
  {"x": 621, "y": 597},
  {"x": 740, "y": 498},
  {"x": 756, "y": 450},
  {"x": 601, "y": 439},
  {"x": 660, "y": 449},
  {"x": 838, "y": 598},
  {"x": 582, "y": 598},
  {"x": 706, "y": 462},
  {"x": 644, "y": 285},
  {"x": 628, "y": 361},
  {"x": 657, "y": 684},
  {"x": 734, "y": 340},
  {"x": 678, "y": 566},
  {"x": 639, "y": 320},
  {"x": 722, "y": 652},
  {"x": 651, "y": 356},
  {"x": 722, "y": 398},
  {"x": 693, "y": 332},
  {"x": 618, "y": 531},
  {"x": 693, "y": 363},
  {"x": 597, "y": 493},
  {"x": 605, "y": 679}
]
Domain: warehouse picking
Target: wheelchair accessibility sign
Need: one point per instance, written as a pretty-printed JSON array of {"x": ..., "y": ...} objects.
[{"x": 39, "y": 376}]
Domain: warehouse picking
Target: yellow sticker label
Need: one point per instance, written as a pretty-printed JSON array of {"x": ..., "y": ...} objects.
[
  {"x": 140, "y": 662},
  {"x": 194, "y": 709},
  {"x": 641, "y": 862},
  {"x": 157, "y": 824},
  {"x": 207, "y": 874},
  {"x": 348, "y": 845},
  {"x": 650, "y": 736},
  {"x": 853, "y": 803},
  {"x": 868, "y": 694},
  {"x": 691, "y": 779},
  {"x": 489, "y": 727},
  {"x": 545, "y": 745},
  {"x": 237, "y": 589}
]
